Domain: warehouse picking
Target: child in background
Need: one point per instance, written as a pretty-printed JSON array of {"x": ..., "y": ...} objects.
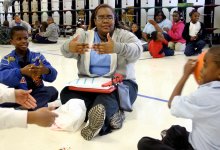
[
  {"x": 158, "y": 46},
  {"x": 4, "y": 33},
  {"x": 136, "y": 30},
  {"x": 202, "y": 107},
  {"x": 177, "y": 42},
  {"x": 18, "y": 70},
  {"x": 194, "y": 34}
]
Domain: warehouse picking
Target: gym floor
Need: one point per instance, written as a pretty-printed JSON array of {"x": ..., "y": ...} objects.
[{"x": 156, "y": 79}]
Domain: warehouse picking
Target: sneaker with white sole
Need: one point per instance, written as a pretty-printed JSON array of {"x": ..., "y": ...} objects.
[
  {"x": 96, "y": 119},
  {"x": 116, "y": 121}
]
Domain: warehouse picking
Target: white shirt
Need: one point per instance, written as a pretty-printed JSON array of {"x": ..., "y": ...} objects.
[
  {"x": 149, "y": 28},
  {"x": 8, "y": 116},
  {"x": 203, "y": 108},
  {"x": 194, "y": 28}
]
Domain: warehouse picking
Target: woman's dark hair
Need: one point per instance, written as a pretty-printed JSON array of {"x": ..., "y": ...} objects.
[
  {"x": 94, "y": 13},
  {"x": 192, "y": 12},
  {"x": 44, "y": 26},
  {"x": 154, "y": 35},
  {"x": 15, "y": 29},
  {"x": 215, "y": 51},
  {"x": 159, "y": 12}
]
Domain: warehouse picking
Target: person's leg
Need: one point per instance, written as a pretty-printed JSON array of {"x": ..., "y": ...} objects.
[
  {"x": 111, "y": 107},
  {"x": 200, "y": 45},
  {"x": 44, "y": 95},
  {"x": 167, "y": 51},
  {"x": 190, "y": 49},
  {"x": 66, "y": 95},
  {"x": 147, "y": 143},
  {"x": 180, "y": 46},
  {"x": 177, "y": 137},
  {"x": 43, "y": 40}
]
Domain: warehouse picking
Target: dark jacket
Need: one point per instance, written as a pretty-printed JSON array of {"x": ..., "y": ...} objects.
[{"x": 201, "y": 34}]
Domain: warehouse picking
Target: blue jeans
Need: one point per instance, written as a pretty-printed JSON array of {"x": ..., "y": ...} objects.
[
  {"x": 167, "y": 51},
  {"x": 194, "y": 48},
  {"x": 110, "y": 101}
]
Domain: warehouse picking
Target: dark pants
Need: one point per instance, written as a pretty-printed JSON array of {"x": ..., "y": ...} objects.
[
  {"x": 194, "y": 48},
  {"x": 43, "y": 40},
  {"x": 42, "y": 95},
  {"x": 176, "y": 139},
  {"x": 110, "y": 101},
  {"x": 167, "y": 51}
]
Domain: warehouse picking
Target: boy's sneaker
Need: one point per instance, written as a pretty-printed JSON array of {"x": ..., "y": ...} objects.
[
  {"x": 96, "y": 119},
  {"x": 163, "y": 133},
  {"x": 117, "y": 120}
]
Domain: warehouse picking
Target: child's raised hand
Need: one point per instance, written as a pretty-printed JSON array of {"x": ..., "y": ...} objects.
[
  {"x": 76, "y": 47},
  {"x": 104, "y": 47},
  {"x": 190, "y": 66},
  {"x": 151, "y": 21}
]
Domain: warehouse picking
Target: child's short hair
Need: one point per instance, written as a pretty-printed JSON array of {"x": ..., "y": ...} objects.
[
  {"x": 15, "y": 29},
  {"x": 192, "y": 12},
  {"x": 215, "y": 51}
]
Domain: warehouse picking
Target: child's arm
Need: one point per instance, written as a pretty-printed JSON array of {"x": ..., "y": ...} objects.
[{"x": 188, "y": 69}]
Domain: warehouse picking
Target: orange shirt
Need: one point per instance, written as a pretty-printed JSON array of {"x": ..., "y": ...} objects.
[{"x": 155, "y": 47}]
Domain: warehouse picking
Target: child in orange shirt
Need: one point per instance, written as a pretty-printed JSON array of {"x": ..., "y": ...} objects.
[{"x": 158, "y": 46}]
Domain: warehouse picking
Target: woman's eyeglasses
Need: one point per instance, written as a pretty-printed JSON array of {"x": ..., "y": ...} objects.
[{"x": 103, "y": 18}]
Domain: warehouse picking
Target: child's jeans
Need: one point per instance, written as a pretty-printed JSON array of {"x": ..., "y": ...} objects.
[
  {"x": 194, "y": 48},
  {"x": 167, "y": 51}
]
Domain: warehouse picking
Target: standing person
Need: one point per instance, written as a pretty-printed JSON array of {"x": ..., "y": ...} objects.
[
  {"x": 194, "y": 34},
  {"x": 4, "y": 33},
  {"x": 23, "y": 69},
  {"x": 157, "y": 24},
  {"x": 18, "y": 22},
  {"x": 158, "y": 46},
  {"x": 51, "y": 35},
  {"x": 177, "y": 42},
  {"x": 201, "y": 106},
  {"x": 114, "y": 50},
  {"x": 20, "y": 118}
]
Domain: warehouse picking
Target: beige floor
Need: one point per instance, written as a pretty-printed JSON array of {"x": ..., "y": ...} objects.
[{"x": 156, "y": 79}]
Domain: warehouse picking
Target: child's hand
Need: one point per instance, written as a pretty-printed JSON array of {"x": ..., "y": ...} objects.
[
  {"x": 43, "y": 117},
  {"x": 25, "y": 99},
  {"x": 104, "y": 47},
  {"x": 42, "y": 69},
  {"x": 166, "y": 29},
  {"x": 76, "y": 47},
  {"x": 28, "y": 70},
  {"x": 193, "y": 38},
  {"x": 190, "y": 66},
  {"x": 151, "y": 21}
]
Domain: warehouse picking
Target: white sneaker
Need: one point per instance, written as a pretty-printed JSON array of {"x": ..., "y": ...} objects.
[{"x": 96, "y": 119}]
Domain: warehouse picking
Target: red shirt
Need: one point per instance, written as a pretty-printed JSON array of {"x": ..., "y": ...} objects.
[{"x": 155, "y": 47}]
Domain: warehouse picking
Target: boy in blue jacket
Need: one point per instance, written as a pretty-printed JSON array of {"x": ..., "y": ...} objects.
[{"x": 23, "y": 69}]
